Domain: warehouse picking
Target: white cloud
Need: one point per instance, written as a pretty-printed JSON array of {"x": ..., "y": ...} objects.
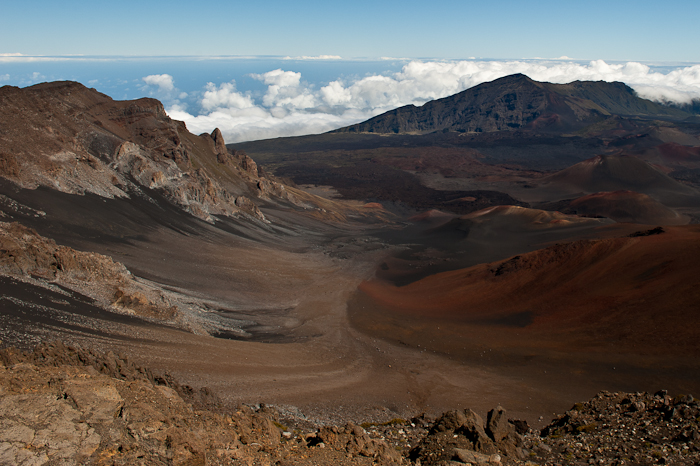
[
  {"x": 4, "y": 77},
  {"x": 285, "y": 110},
  {"x": 680, "y": 85},
  {"x": 21, "y": 58},
  {"x": 225, "y": 96},
  {"x": 15, "y": 58},
  {"x": 280, "y": 78},
  {"x": 257, "y": 123},
  {"x": 164, "y": 82},
  {"x": 290, "y": 106},
  {"x": 284, "y": 89},
  {"x": 420, "y": 81},
  {"x": 336, "y": 94},
  {"x": 317, "y": 57}
]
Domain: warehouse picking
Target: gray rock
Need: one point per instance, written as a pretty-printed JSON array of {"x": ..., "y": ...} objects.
[{"x": 473, "y": 457}]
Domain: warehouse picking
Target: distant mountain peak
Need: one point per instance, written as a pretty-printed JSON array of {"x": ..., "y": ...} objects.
[
  {"x": 515, "y": 77},
  {"x": 518, "y": 102}
]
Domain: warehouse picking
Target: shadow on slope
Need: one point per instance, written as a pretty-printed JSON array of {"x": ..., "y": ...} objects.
[{"x": 437, "y": 242}]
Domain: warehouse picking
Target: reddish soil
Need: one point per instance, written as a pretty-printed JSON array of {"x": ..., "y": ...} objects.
[
  {"x": 623, "y": 286},
  {"x": 608, "y": 313}
]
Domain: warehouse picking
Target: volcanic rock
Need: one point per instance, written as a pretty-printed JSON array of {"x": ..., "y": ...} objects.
[
  {"x": 67, "y": 405},
  {"x": 222, "y": 153},
  {"x": 629, "y": 428},
  {"x": 28, "y": 256},
  {"x": 76, "y": 140},
  {"x": 462, "y": 436}
]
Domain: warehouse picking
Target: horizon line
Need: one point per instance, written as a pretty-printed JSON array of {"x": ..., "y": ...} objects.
[{"x": 18, "y": 57}]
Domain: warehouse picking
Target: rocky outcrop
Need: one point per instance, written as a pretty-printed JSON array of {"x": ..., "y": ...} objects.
[
  {"x": 23, "y": 253},
  {"x": 245, "y": 203},
  {"x": 138, "y": 303},
  {"x": 101, "y": 410},
  {"x": 269, "y": 189},
  {"x": 462, "y": 437},
  {"x": 246, "y": 163},
  {"x": 232, "y": 158},
  {"x": 76, "y": 140},
  {"x": 355, "y": 441},
  {"x": 222, "y": 154},
  {"x": 28, "y": 256}
]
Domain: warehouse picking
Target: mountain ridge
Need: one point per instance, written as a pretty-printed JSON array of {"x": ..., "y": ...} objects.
[
  {"x": 74, "y": 139},
  {"x": 515, "y": 102}
]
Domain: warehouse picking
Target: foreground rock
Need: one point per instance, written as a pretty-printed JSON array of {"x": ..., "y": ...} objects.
[
  {"x": 462, "y": 437},
  {"x": 63, "y": 405},
  {"x": 66, "y": 405},
  {"x": 624, "y": 428}
]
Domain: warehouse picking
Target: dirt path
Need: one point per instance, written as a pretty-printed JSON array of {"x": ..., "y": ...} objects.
[{"x": 332, "y": 372}]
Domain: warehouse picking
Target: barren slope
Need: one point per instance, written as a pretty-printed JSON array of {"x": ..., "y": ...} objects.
[
  {"x": 614, "y": 173},
  {"x": 633, "y": 294}
]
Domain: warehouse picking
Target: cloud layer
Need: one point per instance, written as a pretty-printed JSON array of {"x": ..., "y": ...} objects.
[{"x": 292, "y": 107}]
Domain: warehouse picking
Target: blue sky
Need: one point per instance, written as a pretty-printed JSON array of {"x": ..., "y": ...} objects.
[{"x": 608, "y": 30}]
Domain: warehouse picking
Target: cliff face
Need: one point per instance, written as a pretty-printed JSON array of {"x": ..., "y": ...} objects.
[
  {"x": 516, "y": 102},
  {"x": 76, "y": 140}
]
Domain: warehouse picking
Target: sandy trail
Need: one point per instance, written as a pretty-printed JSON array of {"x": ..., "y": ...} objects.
[{"x": 332, "y": 372}]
